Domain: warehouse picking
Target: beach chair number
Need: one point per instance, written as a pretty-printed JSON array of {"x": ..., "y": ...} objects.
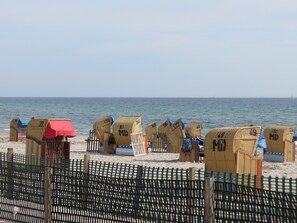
[
  {"x": 253, "y": 132},
  {"x": 123, "y": 132},
  {"x": 219, "y": 144},
  {"x": 273, "y": 135},
  {"x": 221, "y": 135},
  {"x": 176, "y": 125},
  {"x": 41, "y": 124}
]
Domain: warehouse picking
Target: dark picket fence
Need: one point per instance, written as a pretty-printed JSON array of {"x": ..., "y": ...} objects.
[{"x": 93, "y": 191}]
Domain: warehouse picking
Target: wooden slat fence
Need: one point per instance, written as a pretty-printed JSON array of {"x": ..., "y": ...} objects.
[
  {"x": 93, "y": 143},
  {"x": 112, "y": 192}
]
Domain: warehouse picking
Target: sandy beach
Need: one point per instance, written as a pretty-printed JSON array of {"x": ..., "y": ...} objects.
[{"x": 167, "y": 160}]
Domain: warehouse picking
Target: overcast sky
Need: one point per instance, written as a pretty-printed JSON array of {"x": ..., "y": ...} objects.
[{"x": 148, "y": 48}]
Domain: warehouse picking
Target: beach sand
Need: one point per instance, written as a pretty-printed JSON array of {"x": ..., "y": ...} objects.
[{"x": 166, "y": 160}]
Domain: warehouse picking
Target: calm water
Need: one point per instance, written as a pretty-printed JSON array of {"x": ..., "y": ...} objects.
[{"x": 212, "y": 112}]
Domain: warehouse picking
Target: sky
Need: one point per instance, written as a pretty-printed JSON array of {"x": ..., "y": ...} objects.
[{"x": 155, "y": 48}]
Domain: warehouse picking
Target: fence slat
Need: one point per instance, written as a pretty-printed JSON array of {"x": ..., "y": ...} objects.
[
  {"x": 209, "y": 200},
  {"x": 135, "y": 193},
  {"x": 10, "y": 180},
  {"x": 47, "y": 195}
]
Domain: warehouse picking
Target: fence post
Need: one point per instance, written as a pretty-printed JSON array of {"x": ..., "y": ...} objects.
[
  {"x": 10, "y": 173},
  {"x": 10, "y": 155},
  {"x": 88, "y": 140},
  {"x": 67, "y": 150},
  {"x": 138, "y": 188},
  {"x": 209, "y": 215},
  {"x": 86, "y": 179},
  {"x": 106, "y": 144},
  {"x": 191, "y": 206},
  {"x": 47, "y": 194}
]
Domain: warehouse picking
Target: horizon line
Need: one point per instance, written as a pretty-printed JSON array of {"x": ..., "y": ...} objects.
[{"x": 206, "y": 97}]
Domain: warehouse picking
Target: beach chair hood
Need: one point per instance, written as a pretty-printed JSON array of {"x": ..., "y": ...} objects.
[{"x": 56, "y": 128}]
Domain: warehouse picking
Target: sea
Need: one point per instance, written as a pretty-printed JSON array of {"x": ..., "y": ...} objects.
[{"x": 211, "y": 112}]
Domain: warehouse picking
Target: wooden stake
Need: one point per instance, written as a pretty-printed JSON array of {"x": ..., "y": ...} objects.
[
  {"x": 47, "y": 194},
  {"x": 209, "y": 216}
]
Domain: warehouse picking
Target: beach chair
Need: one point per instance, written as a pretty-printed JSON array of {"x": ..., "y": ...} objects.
[
  {"x": 159, "y": 139},
  {"x": 151, "y": 130},
  {"x": 280, "y": 143},
  {"x": 47, "y": 140},
  {"x": 232, "y": 150},
  {"x": 18, "y": 130},
  {"x": 175, "y": 136},
  {"x": 192, "y": 149},
  {"x": 95, "y": 140},
  {"x": 193, "y": 130},
  {"x": 122, "y": 129}
]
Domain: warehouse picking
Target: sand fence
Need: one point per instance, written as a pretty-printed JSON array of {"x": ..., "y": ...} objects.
[{"x": 93, "y": 191}]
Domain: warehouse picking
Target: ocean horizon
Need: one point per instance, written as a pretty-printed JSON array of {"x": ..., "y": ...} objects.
[{"x": 212, "y": 112}]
